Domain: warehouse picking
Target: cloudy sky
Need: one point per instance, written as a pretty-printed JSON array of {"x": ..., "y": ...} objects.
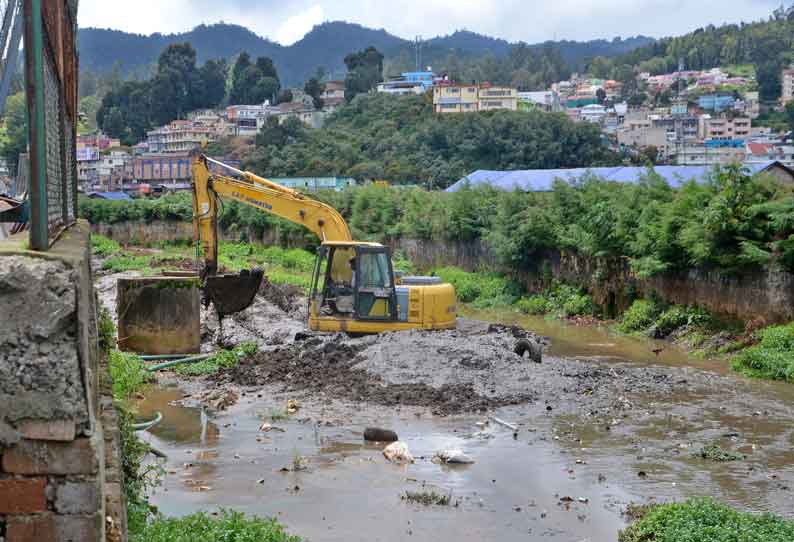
[{"x": 286, "y": 21}]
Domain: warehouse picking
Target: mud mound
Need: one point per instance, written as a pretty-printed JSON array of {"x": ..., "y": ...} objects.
[
  {"x": 337, "y": 367},
  {"x": 285, "y": 296}
]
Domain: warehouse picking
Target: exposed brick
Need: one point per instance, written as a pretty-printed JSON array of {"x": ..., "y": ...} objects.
[
  {"x": 45, "y": 457},
  {"x": 77, "y": 497},
  {"x": 23, "y": 496},
  {"x": 62, "y": 430},
  {"x": 79, "y": 528},
  {"x": 40, "y": 528}
]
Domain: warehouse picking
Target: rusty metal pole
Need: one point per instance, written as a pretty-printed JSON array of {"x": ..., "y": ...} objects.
[{"x": 34, "y": 89}]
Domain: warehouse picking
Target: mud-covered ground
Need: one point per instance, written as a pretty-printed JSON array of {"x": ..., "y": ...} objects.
[{"x": 583, "y": 420}]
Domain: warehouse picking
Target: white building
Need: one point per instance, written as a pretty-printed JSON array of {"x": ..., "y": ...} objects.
[
  {"x": 594, "y": 113},
  {"x": 547, "y": 100}
]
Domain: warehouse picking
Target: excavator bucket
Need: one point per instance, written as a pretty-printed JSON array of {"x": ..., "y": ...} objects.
[{"x": 233, "y": 293}]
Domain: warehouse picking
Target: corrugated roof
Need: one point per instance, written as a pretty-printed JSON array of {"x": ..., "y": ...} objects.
[
  {"x": 542, "y": 180},
  {"x": 115, "y": 196}
]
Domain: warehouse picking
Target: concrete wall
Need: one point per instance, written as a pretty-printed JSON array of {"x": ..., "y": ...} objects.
[{"x": 55, "y": 416}]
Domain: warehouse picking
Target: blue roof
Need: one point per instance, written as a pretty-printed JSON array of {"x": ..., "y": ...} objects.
[
  {"x": 115, "y": 196},
  {"x": 542, "y": 180}
]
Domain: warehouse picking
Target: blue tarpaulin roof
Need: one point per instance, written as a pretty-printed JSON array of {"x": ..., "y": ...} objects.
[
  {"x": 115, "y": 196},
  {"x": 542, "y": 180}
]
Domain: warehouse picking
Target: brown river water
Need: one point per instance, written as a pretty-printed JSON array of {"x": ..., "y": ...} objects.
[{"x": 518, "y": 487}]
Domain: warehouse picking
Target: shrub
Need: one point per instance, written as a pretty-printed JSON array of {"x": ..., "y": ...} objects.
[
  {"x": 535, "y": 304},
  {"x": 104, "y": 246},
  {"x": 128, "y": 374},
  {"x": 706, "y": 520},
  {"x": 578, "y": 305},
  {"x": 639, "y": 316},
  {"x": 229, "y": 527},
  {"x": 772, "y": 358},
  {"x": 225, "y": 359}
]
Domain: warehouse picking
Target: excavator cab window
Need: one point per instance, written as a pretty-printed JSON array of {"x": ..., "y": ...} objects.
[{"x": 354, "y": 281}]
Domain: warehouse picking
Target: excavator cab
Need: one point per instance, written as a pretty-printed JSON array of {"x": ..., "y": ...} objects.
[{"x": 354, "y": 280}]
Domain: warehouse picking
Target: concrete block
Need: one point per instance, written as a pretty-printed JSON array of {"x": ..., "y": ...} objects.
[
  {"x": 159, "y": 315},
  {"x": 62, "y": 430},
  {"x": 79, "y": 528},
  {"x": 39, "y": 528},
  {"x": 23, "y": 496},
  {"x": 77, "y": 497},
  {"x": 40, "y": 374},
  {"x": 48, "y": 457}
]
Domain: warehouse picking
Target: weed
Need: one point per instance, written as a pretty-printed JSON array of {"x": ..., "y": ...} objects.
[
  {"x": 427, "y": 498},
  {"x": 106, "y": 331},
  {"x": 639, "y": 316},
  {"x": 104, "y": 246},
  {"x": 278, "y": 414},
  {"x": 535, "y": 304},
  {"x": 714, "y": 452},
  {"x": 706, "y": 520},
  {"x": 128, "y": 374},
  {"x": 225, "y": 359},
  {"x": 229, "y": 527},
  {"x": 772, "y": 358}
]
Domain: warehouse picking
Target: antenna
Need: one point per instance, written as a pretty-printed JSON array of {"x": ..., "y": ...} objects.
[{"x": 418, "y": 52}]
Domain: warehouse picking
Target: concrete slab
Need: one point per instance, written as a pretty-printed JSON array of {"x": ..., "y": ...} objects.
[{"x": 159, "y": 315}]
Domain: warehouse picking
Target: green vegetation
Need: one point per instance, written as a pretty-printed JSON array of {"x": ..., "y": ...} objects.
[
  {"x": 104, "y": 246},
  {"x": 482, "y": 290},
  {"x": 427, "y": 498},
  {"x": 225, "y": 359},
  {"x": 379, "y": 136},
  {"x": 653, "y": 318},
  {"x": 772, "y": 358},
  {"x": 706, "y": 520},
  {"x": 560, "y": 300},
  {"x": 714, "y": 452},
  {"x": 229, "y": 527},
  {"x": 128, "y": 373}
]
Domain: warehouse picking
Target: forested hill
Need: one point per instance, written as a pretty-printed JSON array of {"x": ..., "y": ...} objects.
[{"x": 326, "y": 45}]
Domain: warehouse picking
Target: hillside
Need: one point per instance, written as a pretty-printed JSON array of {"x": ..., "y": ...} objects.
[{"x": 326, "y": 45}]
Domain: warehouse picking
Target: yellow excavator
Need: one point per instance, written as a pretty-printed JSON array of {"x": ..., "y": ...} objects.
[{"x": 353, "y": 287}]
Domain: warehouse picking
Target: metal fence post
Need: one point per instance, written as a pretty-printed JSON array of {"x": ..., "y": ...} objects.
[{"x": 34, "y": 83}]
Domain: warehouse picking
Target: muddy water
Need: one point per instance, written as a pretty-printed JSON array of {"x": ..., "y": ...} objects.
[
  {"x": 349, "y": 492},
  {"x": 514, "y": 489}
]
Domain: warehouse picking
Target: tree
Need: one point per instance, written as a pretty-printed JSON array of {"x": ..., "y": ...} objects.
[
  {"x": 601, "y": 95},
  {"x": 13, "y": 132},
  {"x": 364, "y": 72},
  {"x": 211, "y": 87},
  {"x": 241, "y": 67},
  {"x": 254, "y": 83},
  {"x": 790, "y": 115},
  {"x": 314, "y": 88}
]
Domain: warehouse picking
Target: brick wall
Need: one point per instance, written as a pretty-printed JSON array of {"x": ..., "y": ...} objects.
[{"x": 59, "y": 445}]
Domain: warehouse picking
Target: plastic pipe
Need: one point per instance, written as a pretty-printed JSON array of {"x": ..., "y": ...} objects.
[
  {"x": 158, "y": 417},
  {"x": 166, "y": 356},
  {"x": 169, "y": 364}
]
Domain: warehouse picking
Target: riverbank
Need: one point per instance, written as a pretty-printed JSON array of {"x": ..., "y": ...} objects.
[{"x": 606, "y": 426}]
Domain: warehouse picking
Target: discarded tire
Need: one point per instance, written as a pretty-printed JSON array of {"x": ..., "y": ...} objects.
[
  {"x": 376, "y": 434},
  {"x": 524, "y": 346}
]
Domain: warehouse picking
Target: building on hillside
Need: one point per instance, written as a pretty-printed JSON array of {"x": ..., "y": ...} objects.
[
  {"x": 542, "y": 180},
  {"x": 709, "y": 153},
  {"x": 787, "y": 80},
  {"x": 724, "y": 128},
  {"x": 648, "y": 136},
  {"x": 497, "y": 97},
  {"x": 408, "y": 83},
  {"x": 764, "y": 152},
  {"x": 333, "y": 90},
  {"x": 242, "y": 119},
  {"x": 594, "y": 113},
  {"x": 179, "y": 136},
  {"x": 545, "y": 100},
  {"x": 313, "y": 184},
  {"x": 455, "y": 98},
  {"x": 715, "y": 103},
  {"x": 332, "y": 104}
]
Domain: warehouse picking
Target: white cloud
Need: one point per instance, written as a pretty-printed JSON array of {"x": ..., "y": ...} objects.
[{"x": 295, "y": 27}]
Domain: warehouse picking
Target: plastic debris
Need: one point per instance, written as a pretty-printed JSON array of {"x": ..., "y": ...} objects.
[
  {"x": 397, "y": 452},
  {"x": 452, "y": 457}
]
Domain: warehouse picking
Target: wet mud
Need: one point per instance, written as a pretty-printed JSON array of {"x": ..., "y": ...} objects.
[{"x": 604, "y": 419}]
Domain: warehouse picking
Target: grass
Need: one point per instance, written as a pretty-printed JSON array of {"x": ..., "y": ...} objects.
[
  {"x": 228, "y": 527},
  {"x": 225, "y": 359},
  {"x": 706, "y": 520},
  {"x": 427, "y": 498},
  {"x": 128, "y": 373},
  {"x": 560, "y": 300},
  {"x": 772, "y": 357},
  {"x": 104, "y": 246},
  {"x": 714, "y": 452},
  {"x": 482, "y": 289}
]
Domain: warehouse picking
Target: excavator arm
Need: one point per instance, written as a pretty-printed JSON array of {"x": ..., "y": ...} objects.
[{"x": 265, "y": 195}]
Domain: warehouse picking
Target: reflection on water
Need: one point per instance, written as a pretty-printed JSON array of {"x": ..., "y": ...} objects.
[
  {"x": 180, "y": 425},
  {"x": 598, "y": 341}
]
